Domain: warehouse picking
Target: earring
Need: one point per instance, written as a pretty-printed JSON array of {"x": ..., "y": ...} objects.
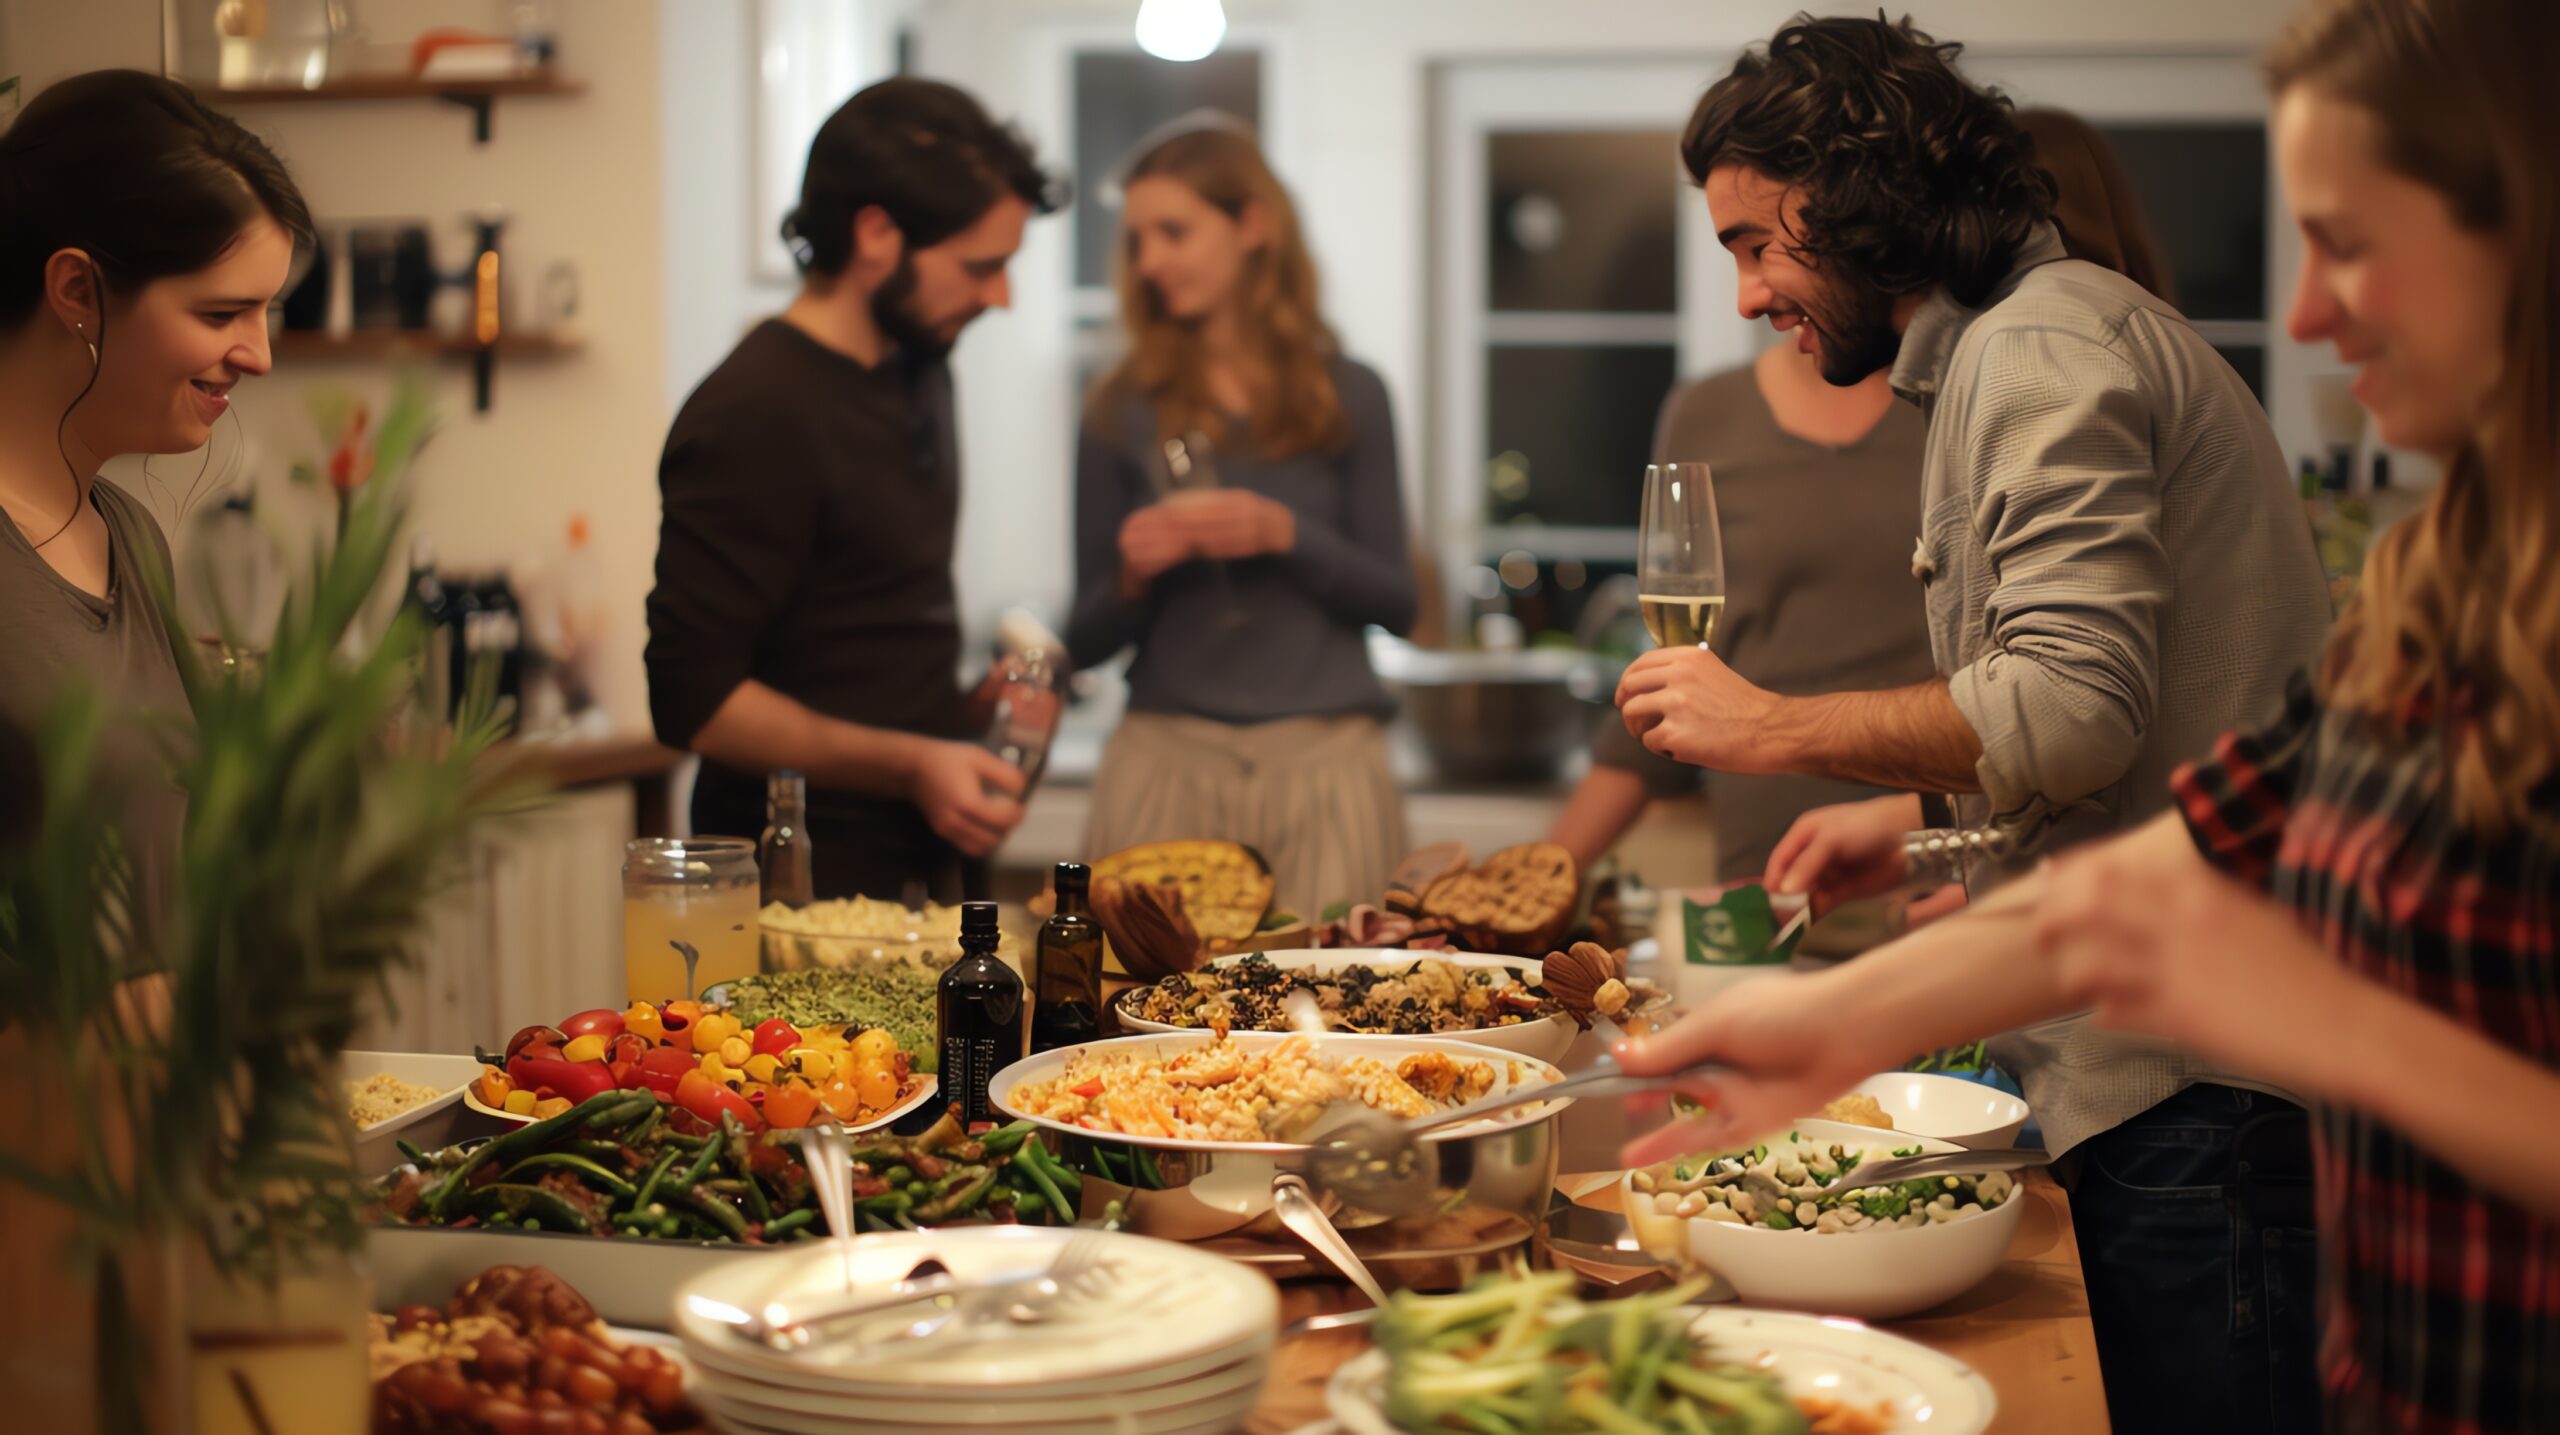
[{"x": 83, "y": 331}]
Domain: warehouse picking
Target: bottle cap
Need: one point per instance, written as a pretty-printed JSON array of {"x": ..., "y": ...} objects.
[
  {"x": 978, "y": 919},
  {"x": 1072, "y": 877}
]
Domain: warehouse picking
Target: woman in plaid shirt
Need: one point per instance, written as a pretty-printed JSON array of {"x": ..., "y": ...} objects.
[{"x": 2402, "y": 812}]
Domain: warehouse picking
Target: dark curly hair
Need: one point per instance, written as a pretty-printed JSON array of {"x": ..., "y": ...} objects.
[
  {"x": 1912, "y": 175},
  {"x": 922, "y": 150}
]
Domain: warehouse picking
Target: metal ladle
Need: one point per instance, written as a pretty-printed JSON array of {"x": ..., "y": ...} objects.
[{"x": 1380, "y": 1163}]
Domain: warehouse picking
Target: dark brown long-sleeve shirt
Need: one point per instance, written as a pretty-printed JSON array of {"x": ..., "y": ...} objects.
[{"x": 811, "y": 505}]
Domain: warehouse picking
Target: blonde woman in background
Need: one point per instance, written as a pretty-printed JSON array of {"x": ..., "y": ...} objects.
[{"x": 1239, "y": 525}]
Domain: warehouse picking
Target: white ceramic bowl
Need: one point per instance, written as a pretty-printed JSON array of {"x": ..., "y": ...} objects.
[
  {"x": 1872, "y": 1275},
  {"x": 449, "y": 1075},
  {"x": 1918, "y": 1390},
  {"x": 1948, "y": 1108},
  {"x": 1545, "y": 1039}
]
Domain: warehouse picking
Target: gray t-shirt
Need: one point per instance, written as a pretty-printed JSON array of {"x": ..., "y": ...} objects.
[
  {"x": 1269, "y": 637},
  {"x": 1819, "y": 596},
  {"x": 52, "y": 633}
]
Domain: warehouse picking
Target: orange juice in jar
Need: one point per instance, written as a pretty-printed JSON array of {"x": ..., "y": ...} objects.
[{"x": 689, "y": 915}]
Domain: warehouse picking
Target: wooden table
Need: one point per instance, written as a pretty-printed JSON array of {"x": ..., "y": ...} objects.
[{"x": 2026, "y": 1329}]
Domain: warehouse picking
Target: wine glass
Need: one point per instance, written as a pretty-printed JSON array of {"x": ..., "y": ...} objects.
[{"x": 1680, "y": 569}]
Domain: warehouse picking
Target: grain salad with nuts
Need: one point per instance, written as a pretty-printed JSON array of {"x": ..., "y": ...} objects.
[
  {"x": 1417, "y": 997},
  {"x": 1804, "y": 1185},
  {"x": 1223, "y": 1090}
]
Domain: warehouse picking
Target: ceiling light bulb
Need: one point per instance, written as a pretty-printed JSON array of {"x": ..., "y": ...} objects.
[{"x": 1181, "y": 30}]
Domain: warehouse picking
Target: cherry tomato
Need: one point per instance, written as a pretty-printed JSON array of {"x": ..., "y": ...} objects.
[
  {"x": 774, "y": 1036},
  {"x": 550, "y": 1037},
  {"x": 597, "y": 1021},
  {"x": 791, "y": 1105}
]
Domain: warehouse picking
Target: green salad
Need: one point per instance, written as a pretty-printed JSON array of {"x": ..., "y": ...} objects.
[
  {"x": 1515, "y": 1353},
  {"x": 1801, "y": 1185}
]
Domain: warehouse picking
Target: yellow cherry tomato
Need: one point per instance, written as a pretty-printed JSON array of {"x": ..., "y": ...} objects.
[
  {"x": 875, "y": 1046},
  {"x": 878, "y": 1087},
  {"x": 758, "y": 1068},
  {"x": 584, "y": 1048},
  {"x": 811, "y": 1063},
  {"x": 840, "y": 1098},
  {"x": 520, "y": 1102},
  {"x": 735, "y": 1051},
  {"x": 707, "y": 1032}
]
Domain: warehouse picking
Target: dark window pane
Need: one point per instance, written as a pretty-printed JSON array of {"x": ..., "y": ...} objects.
[
  {"x": 2205, "y": 188},
  {"x": 1583, "y": 221},
  {"x": 1568, "y": 431},
  {"x": 1119, "y": 96},
  {"x": 2250, "y": 362}
]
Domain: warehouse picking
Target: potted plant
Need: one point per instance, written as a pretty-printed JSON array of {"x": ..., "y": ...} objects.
[{"x": 170, "y": 1029}]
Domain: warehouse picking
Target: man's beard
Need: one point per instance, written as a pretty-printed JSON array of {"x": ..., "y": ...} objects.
[
  {"x": 893, "y": 310},
  {"x": 1860, "y": 340}
]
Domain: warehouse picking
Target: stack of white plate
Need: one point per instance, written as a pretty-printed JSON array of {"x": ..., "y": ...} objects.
[{"x": 1159, "y": 1340}]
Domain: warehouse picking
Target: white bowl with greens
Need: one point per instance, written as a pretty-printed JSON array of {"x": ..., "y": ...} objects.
[{"x": 1786, "y": 1221}]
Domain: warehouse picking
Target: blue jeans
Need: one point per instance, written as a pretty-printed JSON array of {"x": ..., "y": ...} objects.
[{"x": 2196, "y": 1237}]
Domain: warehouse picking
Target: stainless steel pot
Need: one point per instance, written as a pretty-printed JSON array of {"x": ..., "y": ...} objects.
[{"x": 1491, "y": 717}]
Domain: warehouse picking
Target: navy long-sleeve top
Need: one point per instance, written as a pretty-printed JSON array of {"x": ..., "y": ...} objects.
[{"x": 1274, "y": 636}]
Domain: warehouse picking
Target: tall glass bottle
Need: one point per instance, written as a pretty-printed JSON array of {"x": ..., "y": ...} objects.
[
  {"x": 1069, "y": 974},
  {"x": 979, "y": 1008},
  {"x": 783, "y": 853}
]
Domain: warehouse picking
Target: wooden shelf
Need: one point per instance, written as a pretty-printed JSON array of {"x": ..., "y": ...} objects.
[
  {"x": 377, "y": 345},
  {"x": 476, "y": 96},
  {"x": 372, "y": 344}
]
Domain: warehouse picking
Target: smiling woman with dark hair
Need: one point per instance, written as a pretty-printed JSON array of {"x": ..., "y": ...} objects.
[{"x": 142, "y": 237}]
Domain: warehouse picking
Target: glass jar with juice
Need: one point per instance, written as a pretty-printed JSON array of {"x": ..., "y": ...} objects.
[{"x": 689, "y": 915}]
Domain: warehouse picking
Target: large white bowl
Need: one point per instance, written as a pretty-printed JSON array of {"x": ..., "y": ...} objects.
[
  {"x": 1948, "y": 1108},
  {"x": 1546, "y": 1038},
  {"x": 1919, "y": 1390},
  {"x": 449, "y": 1075},
  {"x": 1873, "y": 1275}
]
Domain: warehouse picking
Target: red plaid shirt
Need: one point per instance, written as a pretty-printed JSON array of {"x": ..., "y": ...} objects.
[{"x": 2442, "y": 1300}]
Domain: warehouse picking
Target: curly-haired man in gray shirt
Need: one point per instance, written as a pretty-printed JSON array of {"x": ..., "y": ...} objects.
[{"x": 2116, "y": 571}]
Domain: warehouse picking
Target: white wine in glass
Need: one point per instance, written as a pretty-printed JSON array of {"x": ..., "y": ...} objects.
[{"x": 1680, "y": 568}]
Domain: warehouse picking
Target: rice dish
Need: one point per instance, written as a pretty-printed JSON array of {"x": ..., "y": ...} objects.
[{"x": 1225, "y": 1091}]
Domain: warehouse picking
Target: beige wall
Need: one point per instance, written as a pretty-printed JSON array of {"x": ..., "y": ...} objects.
[
  {"x": 44, "y": 40},
  {"x": 579, "y": 177},
  {"x": 580, "y": 434}
]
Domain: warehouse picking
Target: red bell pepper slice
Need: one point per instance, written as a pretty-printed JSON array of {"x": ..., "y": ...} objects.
[
  {"x": 576, "y": 1080},
  {"x": 707, "y": 1098},
  {"x": 662, "y": 1068}
]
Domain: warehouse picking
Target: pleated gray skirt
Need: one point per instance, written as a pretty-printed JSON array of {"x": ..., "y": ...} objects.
[{"x": 1313, "y": 795}]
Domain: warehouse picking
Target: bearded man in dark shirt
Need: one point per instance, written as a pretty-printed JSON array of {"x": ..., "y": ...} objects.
[{"x": 804, "y": 616}]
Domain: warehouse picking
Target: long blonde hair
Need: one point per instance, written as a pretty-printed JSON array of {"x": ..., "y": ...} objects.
[
  {"x": 1297, "y": 409},
  {"x": 2459, "y": 609}
]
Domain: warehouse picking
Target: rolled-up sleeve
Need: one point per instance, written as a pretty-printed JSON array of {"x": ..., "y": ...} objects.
[
  {"x": 738, "y": 526},
  {"x": 1363, "y": 573},
  {"x": 2065, "y": 494}
]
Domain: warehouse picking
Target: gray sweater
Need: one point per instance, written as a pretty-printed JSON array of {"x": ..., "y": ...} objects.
[{"x": 1263, "y": 638}]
